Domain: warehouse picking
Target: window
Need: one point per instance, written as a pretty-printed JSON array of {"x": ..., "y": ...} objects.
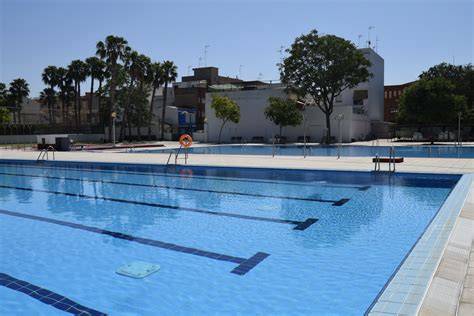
[
  {"x": 385, "y": 94},
  {"x": 359, "y": 97},
  {"x": 390, "y": 94},
  {"x": 339, "y": 99}
]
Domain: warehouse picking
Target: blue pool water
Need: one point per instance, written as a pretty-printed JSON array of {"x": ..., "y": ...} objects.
[
  {"x": 228, "y": 240},
  {"x": 357, "y": 151}
]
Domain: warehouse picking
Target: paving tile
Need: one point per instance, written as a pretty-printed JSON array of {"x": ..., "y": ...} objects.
[{"x": 465, "y": 309}]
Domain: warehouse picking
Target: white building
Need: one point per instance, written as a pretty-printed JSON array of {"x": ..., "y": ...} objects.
[{"x": 362, "y": 108}]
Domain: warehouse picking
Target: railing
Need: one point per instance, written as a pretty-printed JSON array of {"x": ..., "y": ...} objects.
[
  {"x": 44, "y": 153},
  {"x": 176, "y": 157}
]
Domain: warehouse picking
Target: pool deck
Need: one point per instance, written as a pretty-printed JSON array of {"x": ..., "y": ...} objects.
[{"x": 447, "y": 270}]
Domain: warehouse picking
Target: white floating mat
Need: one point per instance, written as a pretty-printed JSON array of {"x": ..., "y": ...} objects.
[{"x": 138, "y": 269}]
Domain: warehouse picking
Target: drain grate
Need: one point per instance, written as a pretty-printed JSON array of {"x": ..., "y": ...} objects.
[{"x": 138, "y": 269}]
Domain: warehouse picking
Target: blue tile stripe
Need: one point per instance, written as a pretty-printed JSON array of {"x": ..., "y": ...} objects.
[
  {"x": 74, "y": 166},
  {"x": 171, "y": 187},
  {"x": 47, "y": 297},
  {"x": 140, "y": 240},
  {"x": 250, "y": 263},
  {"x": 163, "y": 206}
]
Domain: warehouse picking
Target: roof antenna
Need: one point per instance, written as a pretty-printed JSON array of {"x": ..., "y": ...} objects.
[
  {"x": 281, "y": 50},
  {"x": 377, "y": 43},
  {"x": 205, "y": 55},
  {"x": 368, "y": 38},
  {"x": 200, "y": 61},
  {"x": 358, "y": 40}
]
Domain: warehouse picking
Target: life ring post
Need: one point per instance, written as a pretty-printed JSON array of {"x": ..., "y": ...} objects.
[{"x": 185, "y": 140}]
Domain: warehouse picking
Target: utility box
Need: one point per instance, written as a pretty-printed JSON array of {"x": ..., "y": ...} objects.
[{"x": 60, "y": 142}]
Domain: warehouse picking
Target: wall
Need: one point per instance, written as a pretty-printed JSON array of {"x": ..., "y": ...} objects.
[
  {"x": 253, "y": 122},
  {"x": 31, "y": 139}
]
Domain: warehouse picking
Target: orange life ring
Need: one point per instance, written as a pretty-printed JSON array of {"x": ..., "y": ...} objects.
[{"x": 186, "y": 140}]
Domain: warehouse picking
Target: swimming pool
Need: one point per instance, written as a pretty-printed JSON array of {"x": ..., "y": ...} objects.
[
  {"x": 346, "y": 150},
  {"x": 228, "y": 240}
]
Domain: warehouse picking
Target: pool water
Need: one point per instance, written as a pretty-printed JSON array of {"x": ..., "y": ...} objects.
[
  {"x": 228, "y": 240},
  {"x": 345, "y": 151}
]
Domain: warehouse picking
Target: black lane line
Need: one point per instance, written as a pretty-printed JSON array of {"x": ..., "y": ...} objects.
[
  {"x": 46, "y": 296},
  {"x": 252, "y": 261},
  {"x": 174, "y": 188},
  {"x": 173, "y": 207},
  {"x": 167, "y": 175},
  {"x": 341, "y": 202}
]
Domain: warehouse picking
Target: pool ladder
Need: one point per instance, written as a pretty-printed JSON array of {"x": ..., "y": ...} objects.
[
  {"x": 44, "y": 154},
  {"x": 391, "y": 160},
  {"x": 176, "y": 155}
]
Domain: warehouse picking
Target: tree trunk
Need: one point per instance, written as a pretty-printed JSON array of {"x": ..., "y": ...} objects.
[
  {"x": 220, "y": 132},
  {"x": 328, "y": 127},
  {"x": 163, "y": 111},
  {"x": 75, "y": 104},
  {"x": 151, "y": 112},
  {"x": 281, "y": 128},
  {"x": 90, "y": 100},
  {"x": 112, "y": 98},
  {"x": 98, "y": 102},
  {"x": 79, "y": 106},
  {"x": 139, "y": 133}
]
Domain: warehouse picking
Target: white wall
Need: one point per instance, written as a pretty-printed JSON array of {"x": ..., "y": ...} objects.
[{"x": 253, "y": 122}]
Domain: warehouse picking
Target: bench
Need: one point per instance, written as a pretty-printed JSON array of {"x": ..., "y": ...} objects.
[
  {"x": 236, "y": 139},
  {"x": 258, "y": 139},
  {"x": 301, "y": 139}
]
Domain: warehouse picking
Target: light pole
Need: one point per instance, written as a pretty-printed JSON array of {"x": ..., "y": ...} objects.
[
  {"x": 114, "y": 115},
  {"x": 339, "y": 118},
  {"x": 303, "y": 104},
  {"x": 459, "y": 129}
]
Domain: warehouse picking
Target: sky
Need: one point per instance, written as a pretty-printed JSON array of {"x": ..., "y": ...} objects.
[{"x": 413, "y": 35}]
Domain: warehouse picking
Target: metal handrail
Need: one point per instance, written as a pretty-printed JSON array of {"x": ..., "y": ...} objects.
[
  {"x": 45, "y": 153},
  {"x": 176, "y": 154}
]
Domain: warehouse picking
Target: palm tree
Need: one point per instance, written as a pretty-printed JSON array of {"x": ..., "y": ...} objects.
[
  {"x": 136, "y": 67},
  {"x": 156, "y": 73},
  {"x": 95, "y": 69},
  {"x": 169, "y": 75},
  {"x": 18, "y": 90},
  {"x": 111, "y": 51},
  {"x": 77, "y": 71},
  {"x": 48, "y": 97},
  {"x": 51, "y": 77},
  {"x": 65, "y": 91}
]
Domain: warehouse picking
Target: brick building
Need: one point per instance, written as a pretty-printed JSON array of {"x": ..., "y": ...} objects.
[{"x": 392, "y": 94}]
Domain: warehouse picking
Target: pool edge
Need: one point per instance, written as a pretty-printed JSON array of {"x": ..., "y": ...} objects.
[{"x": 406, "y": 289}]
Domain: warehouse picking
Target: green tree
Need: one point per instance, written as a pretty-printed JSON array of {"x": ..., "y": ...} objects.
[
  {"x": 95, "y": 69},
  {"x": 52, "y": 77},
  {"x": 77, "y": 71},
  {"x": 431, "y": 102},
  {"x": 225, "y": 109},
  {"x": 169, "y": 75},
  {"x": 323, "y": 67},
  {"x": 18, "y": 90},
  {"x": 3, "y": 94},
  {"x": 5, "y": 116},
  {"x": 48, "y": 98},
  {"x": 156, "y": 73},
  {"x": 112, "y": 50},
  {"x": 462, "y": 76},
  {"x": 283, "y": 112},
  {"x": 136, "y": 67}
]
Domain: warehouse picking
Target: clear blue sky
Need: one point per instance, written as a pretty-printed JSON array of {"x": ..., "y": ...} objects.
[{"x": 413, "y": 34}]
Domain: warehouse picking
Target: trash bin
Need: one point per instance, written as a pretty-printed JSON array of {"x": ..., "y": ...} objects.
[{"x": 62, "y": 144}]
